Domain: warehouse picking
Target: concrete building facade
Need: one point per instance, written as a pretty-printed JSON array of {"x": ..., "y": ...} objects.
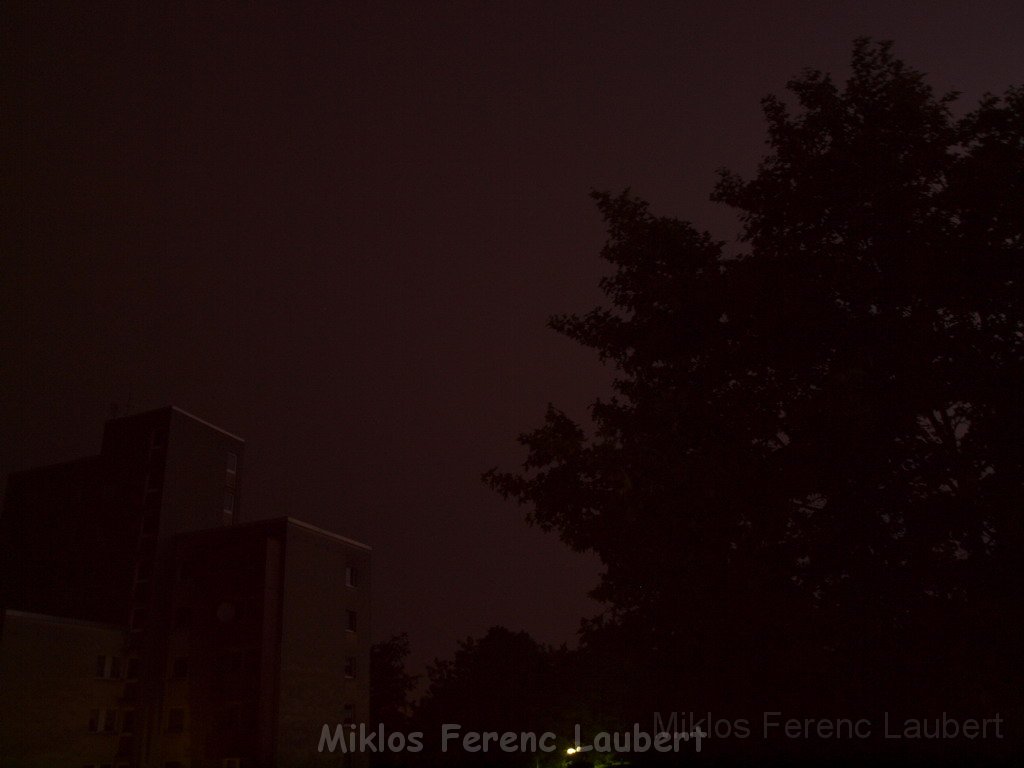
[{"x": 221, "y": 643}]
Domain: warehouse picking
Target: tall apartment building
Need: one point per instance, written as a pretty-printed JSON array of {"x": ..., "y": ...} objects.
[{"x": 143, "y": 623}]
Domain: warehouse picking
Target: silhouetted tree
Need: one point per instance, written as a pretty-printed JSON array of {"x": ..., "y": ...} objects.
[
  {"x": 807, "y": 485},
  {"x": 390, "y": 684},
  {"x": 502, "y": 682}
]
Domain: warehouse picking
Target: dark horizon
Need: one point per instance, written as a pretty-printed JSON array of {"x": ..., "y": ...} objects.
[{"x": 340, "y": 234}]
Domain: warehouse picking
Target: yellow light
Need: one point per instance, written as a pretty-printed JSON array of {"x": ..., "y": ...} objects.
[{"x": 571, "y": 751}]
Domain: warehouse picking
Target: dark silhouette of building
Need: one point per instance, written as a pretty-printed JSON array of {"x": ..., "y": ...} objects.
[{"x": 143, "y": 624}]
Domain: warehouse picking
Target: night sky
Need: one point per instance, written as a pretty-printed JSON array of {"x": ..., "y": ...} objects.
[{"x": 338, "y": 230}]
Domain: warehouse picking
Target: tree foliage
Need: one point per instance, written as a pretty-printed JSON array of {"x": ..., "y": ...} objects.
[
  {"x": 491, "y": 683},
  {"x": 812, "y": 459},
  {"x": 502, "y": 682},
  {"x": 390, "y": 683}
]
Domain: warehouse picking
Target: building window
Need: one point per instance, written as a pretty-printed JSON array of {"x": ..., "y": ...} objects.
[
  {"x": 150, "y": 522},
  {"x": 231, "y": 475},
  {"x": 351, "y": 577},
  {"x": 231, "y": 762},
  {"x": 132, "y": 668},
  {"x": 128, "y": 721},
  {"x": 226, "y": 612},
  {"x": 350, "y": 666},
  {"x": 103, "y": 721},
  {"x": 176, "y": 720},
  {"x": 179, "y": 669},
  {"x": 229, "y": 508},
  {"x": 151, "y": 500},
  {"x": 229, "y": 718},
  {"x": 183, "y": 618},
  {"x": 139, "y": 616},
  {"x": 352, "y": 619},
  {"x": 108, "y": 667},
  {"x": 349, "y": 714}
]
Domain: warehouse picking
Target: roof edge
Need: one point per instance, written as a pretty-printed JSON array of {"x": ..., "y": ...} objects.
[
  {"x": 330, "y": 534},
  {"x": 205, "y": 423},
  {"x": 49, "y": 618}
]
